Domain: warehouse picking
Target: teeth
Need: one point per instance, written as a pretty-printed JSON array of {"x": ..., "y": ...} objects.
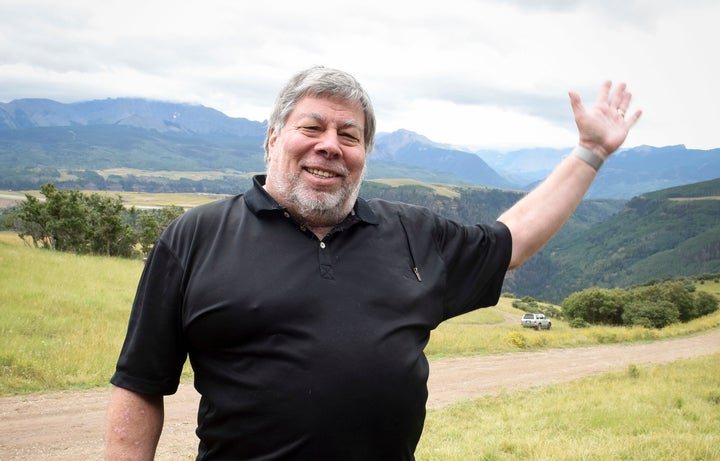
[{"x": 321, "y": 173}]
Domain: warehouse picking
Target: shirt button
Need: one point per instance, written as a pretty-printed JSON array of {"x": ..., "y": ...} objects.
[
  {"x": 286, "y": 214},
  {"x": 322, "y": 245}
]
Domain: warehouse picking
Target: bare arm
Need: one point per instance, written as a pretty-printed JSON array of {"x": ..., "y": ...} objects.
[
  {"x": 134, "y": 425},
  {"x": 535, "y": 219}
]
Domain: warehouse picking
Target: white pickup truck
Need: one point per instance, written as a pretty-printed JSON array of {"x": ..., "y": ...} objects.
[{"x": 537, "y": 321}]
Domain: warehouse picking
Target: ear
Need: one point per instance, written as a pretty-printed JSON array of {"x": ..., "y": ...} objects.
[{"x": 272, "y": 138}]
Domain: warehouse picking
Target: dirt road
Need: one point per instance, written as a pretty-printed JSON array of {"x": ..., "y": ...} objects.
[{"x": 70, "y": 425}]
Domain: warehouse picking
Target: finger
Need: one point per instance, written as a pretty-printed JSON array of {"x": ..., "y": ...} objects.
[
  {"x": 602, "y": 98},
  {"x": 576, "y": 103},
  {"x": 633, "y": 120},
  {"x": 625, "y": 103},
  {"x": 618, "y": 96}
]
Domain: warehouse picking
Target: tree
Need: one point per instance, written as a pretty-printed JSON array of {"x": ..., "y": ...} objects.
[
  {"x": 151, "y": 224},
  {"x": 705, "y": 303},
  {"x": 32, "y": 220},
  {"x": 148, "y": 231},
  {"x": 596, "y": 305},
  {"x": 109, "y": 233},
  {"x": 651, "y": 314},
  {"x": 673, "y": 292},
  {"x": 66, "y": 225},
  {"x": 68, "y": 220}
]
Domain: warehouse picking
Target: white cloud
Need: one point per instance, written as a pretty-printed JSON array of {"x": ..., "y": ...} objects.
[{"x": 485, "y": 73}]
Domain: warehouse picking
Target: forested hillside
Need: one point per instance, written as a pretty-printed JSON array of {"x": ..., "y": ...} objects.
[{"x": 660, "y": 235}]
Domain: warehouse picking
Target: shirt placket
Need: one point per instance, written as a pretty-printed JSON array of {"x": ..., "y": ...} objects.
[{"x": 325, "y": 261}]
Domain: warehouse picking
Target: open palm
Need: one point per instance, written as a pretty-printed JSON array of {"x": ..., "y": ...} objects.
[{"x": 603, "y": 127}]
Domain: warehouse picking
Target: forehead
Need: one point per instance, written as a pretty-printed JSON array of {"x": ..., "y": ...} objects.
[{"x": 330, "y": 109}]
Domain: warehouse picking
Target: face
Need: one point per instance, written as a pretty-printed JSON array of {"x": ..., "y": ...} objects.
[{"x": 317, "y": 160}]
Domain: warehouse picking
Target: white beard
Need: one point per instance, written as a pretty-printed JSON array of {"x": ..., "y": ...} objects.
[{"x": 316, "y": 208}]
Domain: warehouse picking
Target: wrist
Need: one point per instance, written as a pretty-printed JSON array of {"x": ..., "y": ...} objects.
[{"x": 588, "y": 156}]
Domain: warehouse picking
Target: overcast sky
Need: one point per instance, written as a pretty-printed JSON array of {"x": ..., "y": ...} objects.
[{"x": 485, "y": 73}]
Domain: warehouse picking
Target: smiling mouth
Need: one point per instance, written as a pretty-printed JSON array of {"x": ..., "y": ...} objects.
[{"x": 321, "y": 173}]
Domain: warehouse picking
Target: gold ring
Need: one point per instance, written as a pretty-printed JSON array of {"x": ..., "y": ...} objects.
[{"x": 621, "y": 112}]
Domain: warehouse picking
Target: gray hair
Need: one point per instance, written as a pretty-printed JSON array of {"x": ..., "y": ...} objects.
[{"x": 321, "y": 81}]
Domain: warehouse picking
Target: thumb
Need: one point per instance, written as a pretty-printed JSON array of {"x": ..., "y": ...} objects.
[{"x": 576, "y": 103}]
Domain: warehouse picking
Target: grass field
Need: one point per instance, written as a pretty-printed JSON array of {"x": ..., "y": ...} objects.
[
  {"x": 439, "y": 189},
  {"x": 137, "y": 199},
  {"x": 61, "y": 316},
  {"x": 194, "y": 175},
  {"x": 668, "y": 412}
]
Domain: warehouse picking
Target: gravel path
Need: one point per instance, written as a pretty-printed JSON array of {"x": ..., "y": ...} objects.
[{"x": 70, "y": 425}]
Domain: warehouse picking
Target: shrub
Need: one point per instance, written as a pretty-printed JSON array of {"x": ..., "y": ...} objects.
[
  {"x": 674, "y": 293},
  {"x": 651, "y": 314},
  {"x": 596, "y": 305},
  {"x": 633, "y": 371},
  {"x": 517, "y": 340},
  {"x": 705, "y": 303},
  {"x": 528, "y": 304}
]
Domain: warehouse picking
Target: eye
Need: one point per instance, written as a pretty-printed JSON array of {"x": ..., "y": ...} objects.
[
  {"x": 309, "y": 128},
  {"x": 350, "y": 137}
]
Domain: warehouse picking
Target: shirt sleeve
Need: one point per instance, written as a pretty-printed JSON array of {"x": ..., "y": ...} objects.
[
  {"x": 476, "y": 259},
  {"x": 154, "y": 352}
]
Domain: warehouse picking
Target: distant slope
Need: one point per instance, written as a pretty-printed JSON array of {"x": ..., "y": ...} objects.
[
  {"x": 658, "y": 235},
  {"x": 628, "y": 173},
  {"x": 141, "y": 113},
  {"x": 406, "y": 148},
  {"x": 98, "y": 147}
]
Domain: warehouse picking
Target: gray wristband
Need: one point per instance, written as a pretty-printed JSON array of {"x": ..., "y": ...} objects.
[{"x": 588, "y": 156}]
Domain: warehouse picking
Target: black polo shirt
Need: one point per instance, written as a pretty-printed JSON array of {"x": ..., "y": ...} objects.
[{"x": 305, "y": 349}]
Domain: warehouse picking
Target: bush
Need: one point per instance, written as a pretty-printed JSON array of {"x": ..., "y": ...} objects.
[
  {"x": 651, "y": 314},
  {"x": 517, "y": 340},
  {"x": 652, "y": 305},
  {"x": 675, "y": 293},
  {"x": 528, "y": 304},
  {"x": 596, "y": 306},
  {"x": 578, "y": 322},
  {"x": 705, "y": 303}
]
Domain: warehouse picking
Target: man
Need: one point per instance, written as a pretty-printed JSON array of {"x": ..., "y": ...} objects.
[{"x": 304, "y": 310}]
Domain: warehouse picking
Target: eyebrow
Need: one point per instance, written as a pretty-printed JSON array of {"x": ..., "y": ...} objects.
[{"x": 319, "y": 117}]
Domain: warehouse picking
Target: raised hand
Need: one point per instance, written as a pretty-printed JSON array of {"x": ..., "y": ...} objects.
[{"x": 603, "y": 127}]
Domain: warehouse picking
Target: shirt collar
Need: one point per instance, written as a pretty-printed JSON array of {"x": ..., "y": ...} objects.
[{"x": 259, "y": 201}]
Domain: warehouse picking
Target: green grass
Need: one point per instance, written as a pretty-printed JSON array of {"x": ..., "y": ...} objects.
[
  {"x": 62, "y": 316},
  {"x": 668, "y": 412},
  {"x": 709, "y": 286}
]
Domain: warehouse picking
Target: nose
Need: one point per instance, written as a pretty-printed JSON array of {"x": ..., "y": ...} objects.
[{"x": 329, "y": 144}]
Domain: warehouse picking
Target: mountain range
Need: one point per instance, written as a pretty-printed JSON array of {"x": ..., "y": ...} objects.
[
  {"x": 653, "y": 212},
  {"x": 40, "y": 136}
]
